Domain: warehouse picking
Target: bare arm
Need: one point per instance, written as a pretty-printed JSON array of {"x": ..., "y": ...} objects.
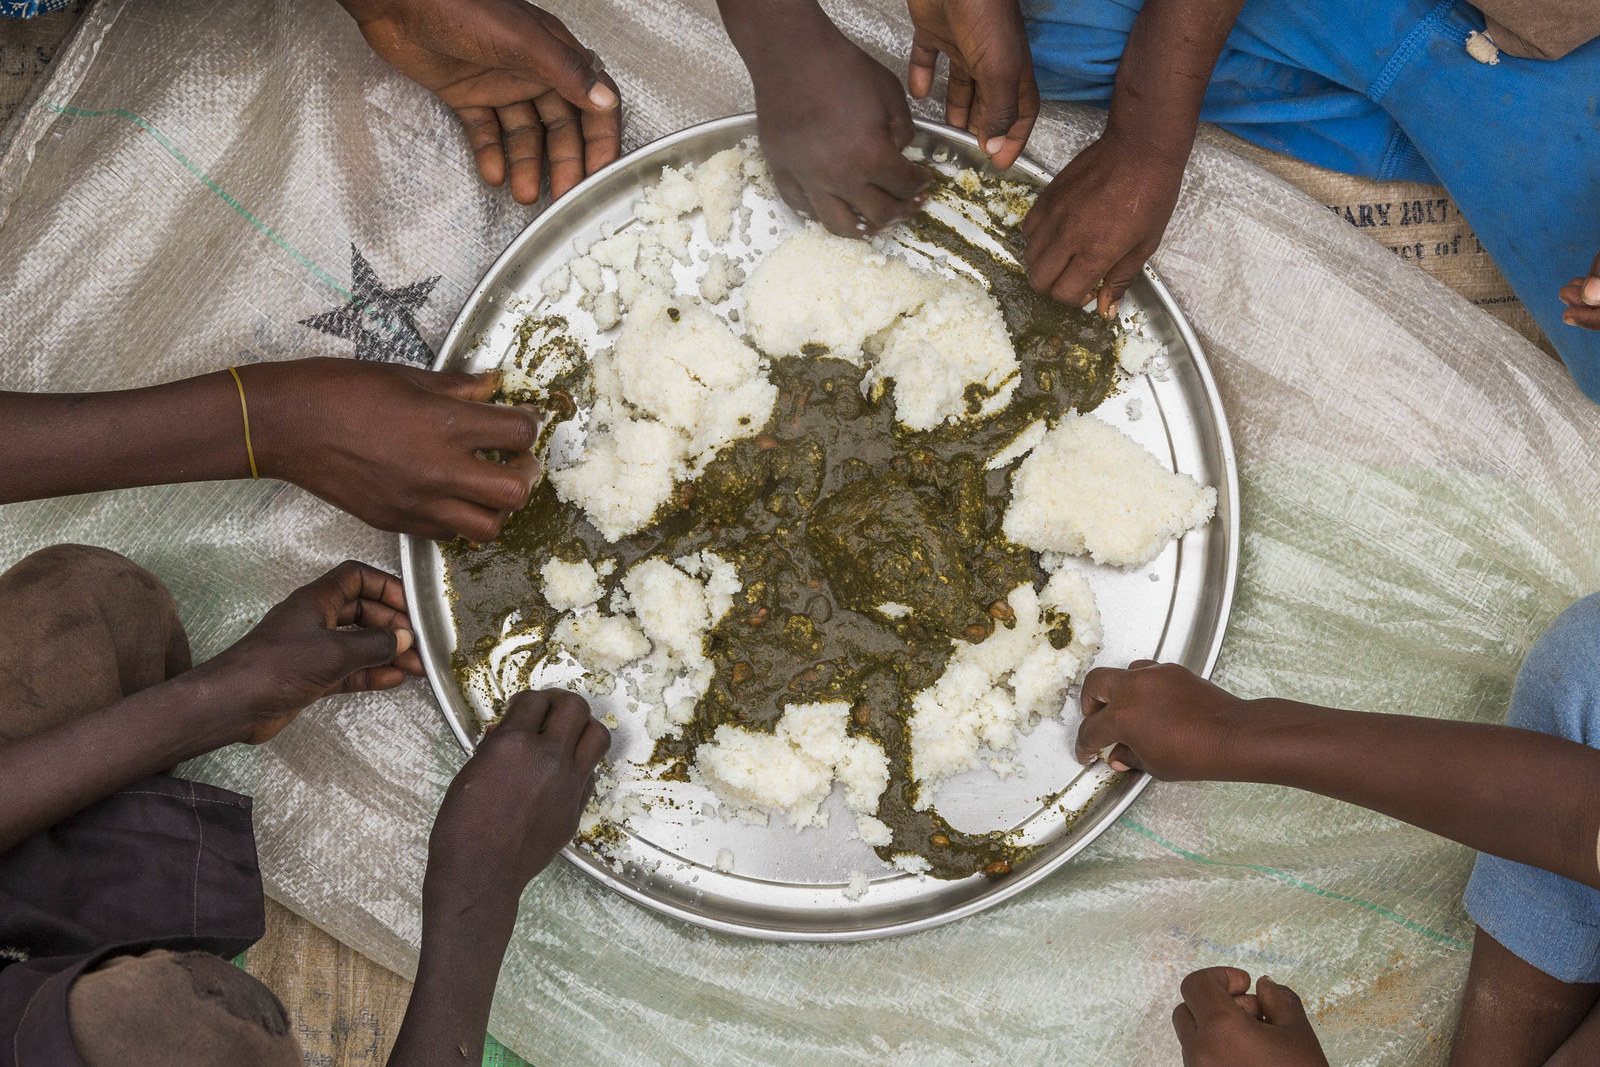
[
  {"x": 1518, "y": 794},
  {"x": 832, "y": 119},
  {"x": 508, "y": 812},
  {"x": 295, "y": 656},
  {"x": 395, "y": 446},
  {"x": 57, "y": 444},
  {"x": 1104, "y": 214}
]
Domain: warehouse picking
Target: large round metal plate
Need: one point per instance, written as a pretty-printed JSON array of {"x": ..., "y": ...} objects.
[{"x": 787, "y": 885}]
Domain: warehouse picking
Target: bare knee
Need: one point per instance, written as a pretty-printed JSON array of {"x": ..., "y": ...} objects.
[
  {"x": 80, "y": 628},
  {"x": 1512, "y": 1013},
  {"x": 88, "y": 578},
  {"x": 178, "y": 1008}
]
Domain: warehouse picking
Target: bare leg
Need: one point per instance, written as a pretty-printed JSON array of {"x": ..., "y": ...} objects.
[
  {"x": 178, "y": 1009},
  {"x": 1582, "y": 1049},
  {"x": 81, "y": 628},
  {"x": 1512, "y": 1013}
]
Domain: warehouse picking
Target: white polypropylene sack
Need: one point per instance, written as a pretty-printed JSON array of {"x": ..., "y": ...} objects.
[{"x": 1419, "y": 490}]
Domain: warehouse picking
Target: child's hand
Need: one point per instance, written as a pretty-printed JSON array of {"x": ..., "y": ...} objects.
[
  {"x": 992, "y": 94},
  {"x": 517, "y": 801},
  {"x": 832, "y": 123},
  {"x": 1222, "y": 1024},
  {"x": 394, "y": 446},
  {"x": 297, "y": 654},
  {"x": 1582, "y": 297},
  {"x": 1100, "y": 219},
  {"x": 526, "y": 90},
  {"x": 1162, "y": 718}
]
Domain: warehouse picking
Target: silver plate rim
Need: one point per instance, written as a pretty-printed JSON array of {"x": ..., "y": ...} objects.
[{"x": 1128, "y": 788}]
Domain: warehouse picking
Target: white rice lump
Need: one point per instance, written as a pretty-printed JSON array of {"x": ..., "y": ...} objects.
[
  {"x": 679, "y": 387},
  {"x": 791, "y": 770},
  {"x": 640, "y": 256},
  {"x": 681, "y": 364},
  {"x": 676, "y": 605},
  {"x": 934, "y": 336},
  {"x": 601, "y": 642},
  {"x": 672, "y": 608},
  {"x": 570, "y": 585},
  {"x": 1089, "y": 487},
  {"x": 991, "y": 690}
]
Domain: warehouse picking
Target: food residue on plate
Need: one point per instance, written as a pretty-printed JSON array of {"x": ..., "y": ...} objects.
[{"x": 822, "y": 544}]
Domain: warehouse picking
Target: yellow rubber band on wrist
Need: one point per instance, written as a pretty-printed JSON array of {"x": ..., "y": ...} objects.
[{"x": 244, "y": 409}]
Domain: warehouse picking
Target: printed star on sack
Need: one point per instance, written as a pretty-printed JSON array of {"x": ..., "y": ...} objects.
[{"x": 379, "y": 320}]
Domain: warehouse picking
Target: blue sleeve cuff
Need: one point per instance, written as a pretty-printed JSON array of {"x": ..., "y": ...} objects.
[{"x": 26, "y": 9}]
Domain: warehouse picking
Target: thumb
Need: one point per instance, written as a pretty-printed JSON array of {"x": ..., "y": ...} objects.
[
  {"x": 1280, "y": 1005},
  {"x": 568, "y": 67},
  {"x": 1116, "y": 282},
  {"x": 996, "y": 109},
  {"x": 357, "y": 650}
]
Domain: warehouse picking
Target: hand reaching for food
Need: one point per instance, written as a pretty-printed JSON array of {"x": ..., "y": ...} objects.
[
  {"x": 1094, "y": 226},
  {"x": 832, "y": 119},
  {"x": 346, "y": 632},
  {"x": 1220, "y": 1022},
  {"x": 517, "y": 801},
  {"x": 1582, "y": 297},
  {"x": 529, "y": 94},
  {"x": 992, "y": 94},
  {"x": 397, "y": 447},
  {"x": 1159, "y": 718}
]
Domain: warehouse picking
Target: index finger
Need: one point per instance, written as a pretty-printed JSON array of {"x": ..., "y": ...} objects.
[
  {"x": 1210, "y": 992},
  {"x": 354, "y": 580},
  {"x": 1016, "y": 138},
  {"x": 602, "y": 134},
  {"x": 501, "y": 427},
  {"x": 924, "y": 57},
  {"x": 899, "y": 177},
  {"x": 1100, "y": 687}
]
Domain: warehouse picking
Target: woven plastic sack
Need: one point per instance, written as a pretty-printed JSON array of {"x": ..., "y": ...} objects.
[{"x": 1419, "y": 486}]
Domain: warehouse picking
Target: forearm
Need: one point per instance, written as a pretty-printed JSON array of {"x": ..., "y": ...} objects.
[
  {"x": 464, "y": 938},
  {"x": 49, "y": 776},
  {"x": 1522, "y": 795},
  {"x": 770, "y": 34},
  {"x": 1165, "y": 69},
  {"x": 57, "y": 444}
]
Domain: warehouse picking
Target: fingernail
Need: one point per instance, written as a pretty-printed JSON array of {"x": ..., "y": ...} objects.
[
  {"x": 1118, "y": 765},
  {"x": 1569, "y": 318},
  {"x": 1265, "y": 979},
  {"x": 1591, "y": 292},
  {"x": 993, "y": 145},
  {"x": 601, "y": 96},
  {"x": 402, "y": 641}
]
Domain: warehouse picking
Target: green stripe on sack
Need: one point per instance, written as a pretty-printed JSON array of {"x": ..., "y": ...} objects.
[
  {"x": 210, "y": 183},
  {"x": 1298, "y": 883}
]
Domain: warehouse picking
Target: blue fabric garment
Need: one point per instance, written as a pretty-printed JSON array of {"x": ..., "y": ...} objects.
[
  {"x": 1385, "y": 89},
  {"x": 26, "y": 9},
  {"x": 1549, "y": 921}
]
